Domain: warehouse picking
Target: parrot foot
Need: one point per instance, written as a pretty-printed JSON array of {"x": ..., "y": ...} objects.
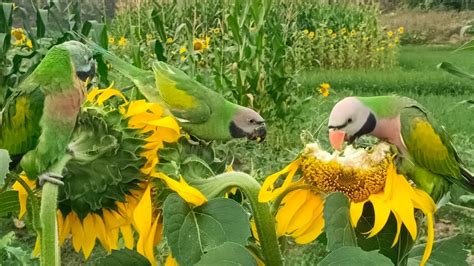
[{"x": 51, "y": 178}]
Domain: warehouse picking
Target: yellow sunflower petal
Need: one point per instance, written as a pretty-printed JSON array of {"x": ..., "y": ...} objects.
[
  {"x": 65, "y": 229},
  {"x": 170, "y": 261},
  {"x": 101, "y": 231},
  {"x": 267, "y": 192},
  {"x": 429, "y": 239},
  {"x": 381, "y": 211},
  {"x": 142, "y": 217},
  {"x": 92, "y": 94},
  {"x": 89, "y": 235},
  {"x": 291, "y": 205},
  {"x": 107, "y": 94},
  {"x": 355, "y": 212},
  {"x": 138, "y": 107},
  {"x": 23, "y": 194},
  {"x": 317, "y": 204},
  {"x": 113, "y": 236},
  {"x": 127, "y": 235},
  {"x": 185, "y": 191},
  {"x": 399, "y": 227},
  {"x": 149, "y": 243},
  {"x": 313, "y": 231},
  {"x": 402, "y": 204},
  {"x": 37, "y": 250},
  {"x": 77, "y": 233},
  {"x": 303, "y": 217}
]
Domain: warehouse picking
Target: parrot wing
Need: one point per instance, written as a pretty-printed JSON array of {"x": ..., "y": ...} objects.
[
  {"x": 429, "y": 145},
  {"x": 20, "y": 129},
  {"x": 187, "y": 99}
]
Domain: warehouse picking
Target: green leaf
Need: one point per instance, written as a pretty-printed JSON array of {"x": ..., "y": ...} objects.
[
  {"x": 123, "y": 257},
  {"x": 450, "y": 68},
  {"x": 355, "y": 256},
  {"x": 338, "y": 227},
  {"x": 6, "y": 239},
  {"x": 4, "y": 165},
  {"x": 9, "y": 202},
  {"x": 6, "y": 17},
  {"x": 228, "y": 254},
  {"x": 192, "y": 232},
  {"x": 159, "y": 25},
  {"x": 448, "y": 251}
]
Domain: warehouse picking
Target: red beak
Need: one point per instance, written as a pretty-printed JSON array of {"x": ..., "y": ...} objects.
[{"x": 336, "y": 138}]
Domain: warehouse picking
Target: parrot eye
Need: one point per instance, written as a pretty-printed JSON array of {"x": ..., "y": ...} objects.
[
  {"x": 252, "y": 121},
  {"x": 349, "y": 120}
]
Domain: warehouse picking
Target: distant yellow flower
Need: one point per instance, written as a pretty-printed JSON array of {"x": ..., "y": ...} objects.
[
  {"x": 324, "y": 89},
  {"x": 306, "y": 31},
  {"x": 182, "y": 49},
  {"x": 343, "y": 31},
  {"x": 149, "y": 36},
  {"x": 363, "y": 177},
  {"x": 169, "y": 40},
  {"x": 200, "y": 45},
  {"x": 216, "y": 30},
  {"x": 353, "y": 33},
  {"x": 401, "y": 30},
  {"x": 111, "y": 40},
  {"x": 396, "y": 39},
  {"x": 329, "y": 31},
  {"x": 390, "y": 34},
  {"x": 333, "y": 36},
  {"x": 391, "y": 45},
  {"x": 29, "y": 44},
  {"x": 122, "y": 41},
  {"x": 18, "y": 33},
  {"x": 182, "y": 58},
  {"x": 311, "y": 34}
]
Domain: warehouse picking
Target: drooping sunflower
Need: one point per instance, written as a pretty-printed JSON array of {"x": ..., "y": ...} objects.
[
  {"x": 108, "y": 185},
  {"x": 363, "y": 176}
]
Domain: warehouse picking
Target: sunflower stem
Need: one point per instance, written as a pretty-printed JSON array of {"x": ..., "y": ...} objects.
[
  {"x": 264, "y": 219},
  {"x": 49, "y": 229}
]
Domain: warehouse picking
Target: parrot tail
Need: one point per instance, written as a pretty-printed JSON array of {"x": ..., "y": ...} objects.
[{"x": 468, "y": 179}]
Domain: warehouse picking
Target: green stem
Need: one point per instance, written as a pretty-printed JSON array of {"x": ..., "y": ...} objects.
[
  {"x": 264, "y": 219},
  {"x": 49, "y": 229}
]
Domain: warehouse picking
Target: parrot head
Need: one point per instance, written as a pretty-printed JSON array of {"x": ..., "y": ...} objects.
[
  {"x": 349, "y": 119},
  {"x": 248, "y": 123},
  {"x": 82, "y": 58}
]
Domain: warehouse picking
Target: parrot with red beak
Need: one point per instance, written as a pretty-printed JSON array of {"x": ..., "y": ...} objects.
[{"x": 426, "y": 153}]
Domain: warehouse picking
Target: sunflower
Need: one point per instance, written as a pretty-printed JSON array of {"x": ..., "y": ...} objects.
[
  {"x": 200, "y": 45},
  {"x": 108, "y": 187},
  {"x": 363, "y": 176}
]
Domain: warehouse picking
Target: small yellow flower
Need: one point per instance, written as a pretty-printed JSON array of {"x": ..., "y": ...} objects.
[
  {"x": 111, "y": 40},
  {"x": 216, "y": 30},
  {"x": 396, "y": 40},
  {"x": 324, "y": 89},
  {"x": 334, "y": 35},
  {"x": 183, "y": 58},
  {"x": 390, "y": 34},
  {"x": 391, "y": 45},
  {"x": 122, "y": 41},
  {"x": 182, "y": 50},
  {"x": 329, "y": 31},
  {"x": 29, "y": 44},
  {"x": 306, "y": 31},
  {"x": 18, "y": 33},
  {"x": 169, "y": 40},
  {"x": 401, "y": 30},
  {"x": 311, "y": 34},
  {"x": 343, "y": 31},
  {"x": 353, "y": 33}
]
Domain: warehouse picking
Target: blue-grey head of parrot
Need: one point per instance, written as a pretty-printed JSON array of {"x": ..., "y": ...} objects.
[
  {"x": 82, "y": 58},
  {"x": 248, "y": 123},
  {"x": 349, "y": 119}
]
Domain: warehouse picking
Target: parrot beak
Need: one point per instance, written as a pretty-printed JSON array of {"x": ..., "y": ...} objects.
[
  {"x": 337, "y": 138},
  {"x": 258, "y": 134}
]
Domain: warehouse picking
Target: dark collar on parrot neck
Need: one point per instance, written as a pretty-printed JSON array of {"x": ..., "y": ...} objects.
[
  {"x": 235, "y": 131},
  {"x": 368, "y": 126}
]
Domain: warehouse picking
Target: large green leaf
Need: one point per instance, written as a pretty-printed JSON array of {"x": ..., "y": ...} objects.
[
  {"x": 9, "y": 202},
  {"x": 192, "y": 232},
  {"x": 338, "y": 227},
  {"x": 448, "y": 251},
  {"x": 4, "y": 165},
  {"x": 228, "y": 254},
  {"x": 123, "y": 257},
  {"x": 450, "y": 68},
  {"x": 351, "y": 256}
]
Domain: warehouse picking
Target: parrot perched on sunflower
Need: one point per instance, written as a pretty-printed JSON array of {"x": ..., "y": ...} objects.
[
  {"x": 38, "y": 118},
  {"x": 426, "y": 153},
  {"x": 199, "y": 110}
]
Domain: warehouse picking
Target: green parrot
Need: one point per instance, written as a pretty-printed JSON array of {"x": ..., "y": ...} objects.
[
  {"x": 201, "y": 111},
  {"x": 426, "y": 153},
  {"x": 38, "y": 118}
]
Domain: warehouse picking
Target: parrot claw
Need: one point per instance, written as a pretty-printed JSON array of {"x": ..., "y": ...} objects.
[{"x": 52, "y": 178}]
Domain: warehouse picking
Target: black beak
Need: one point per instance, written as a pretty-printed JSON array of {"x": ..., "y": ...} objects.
[
  {"x": 83, "y": 75},
  {"x": 258, "y": 134}
]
